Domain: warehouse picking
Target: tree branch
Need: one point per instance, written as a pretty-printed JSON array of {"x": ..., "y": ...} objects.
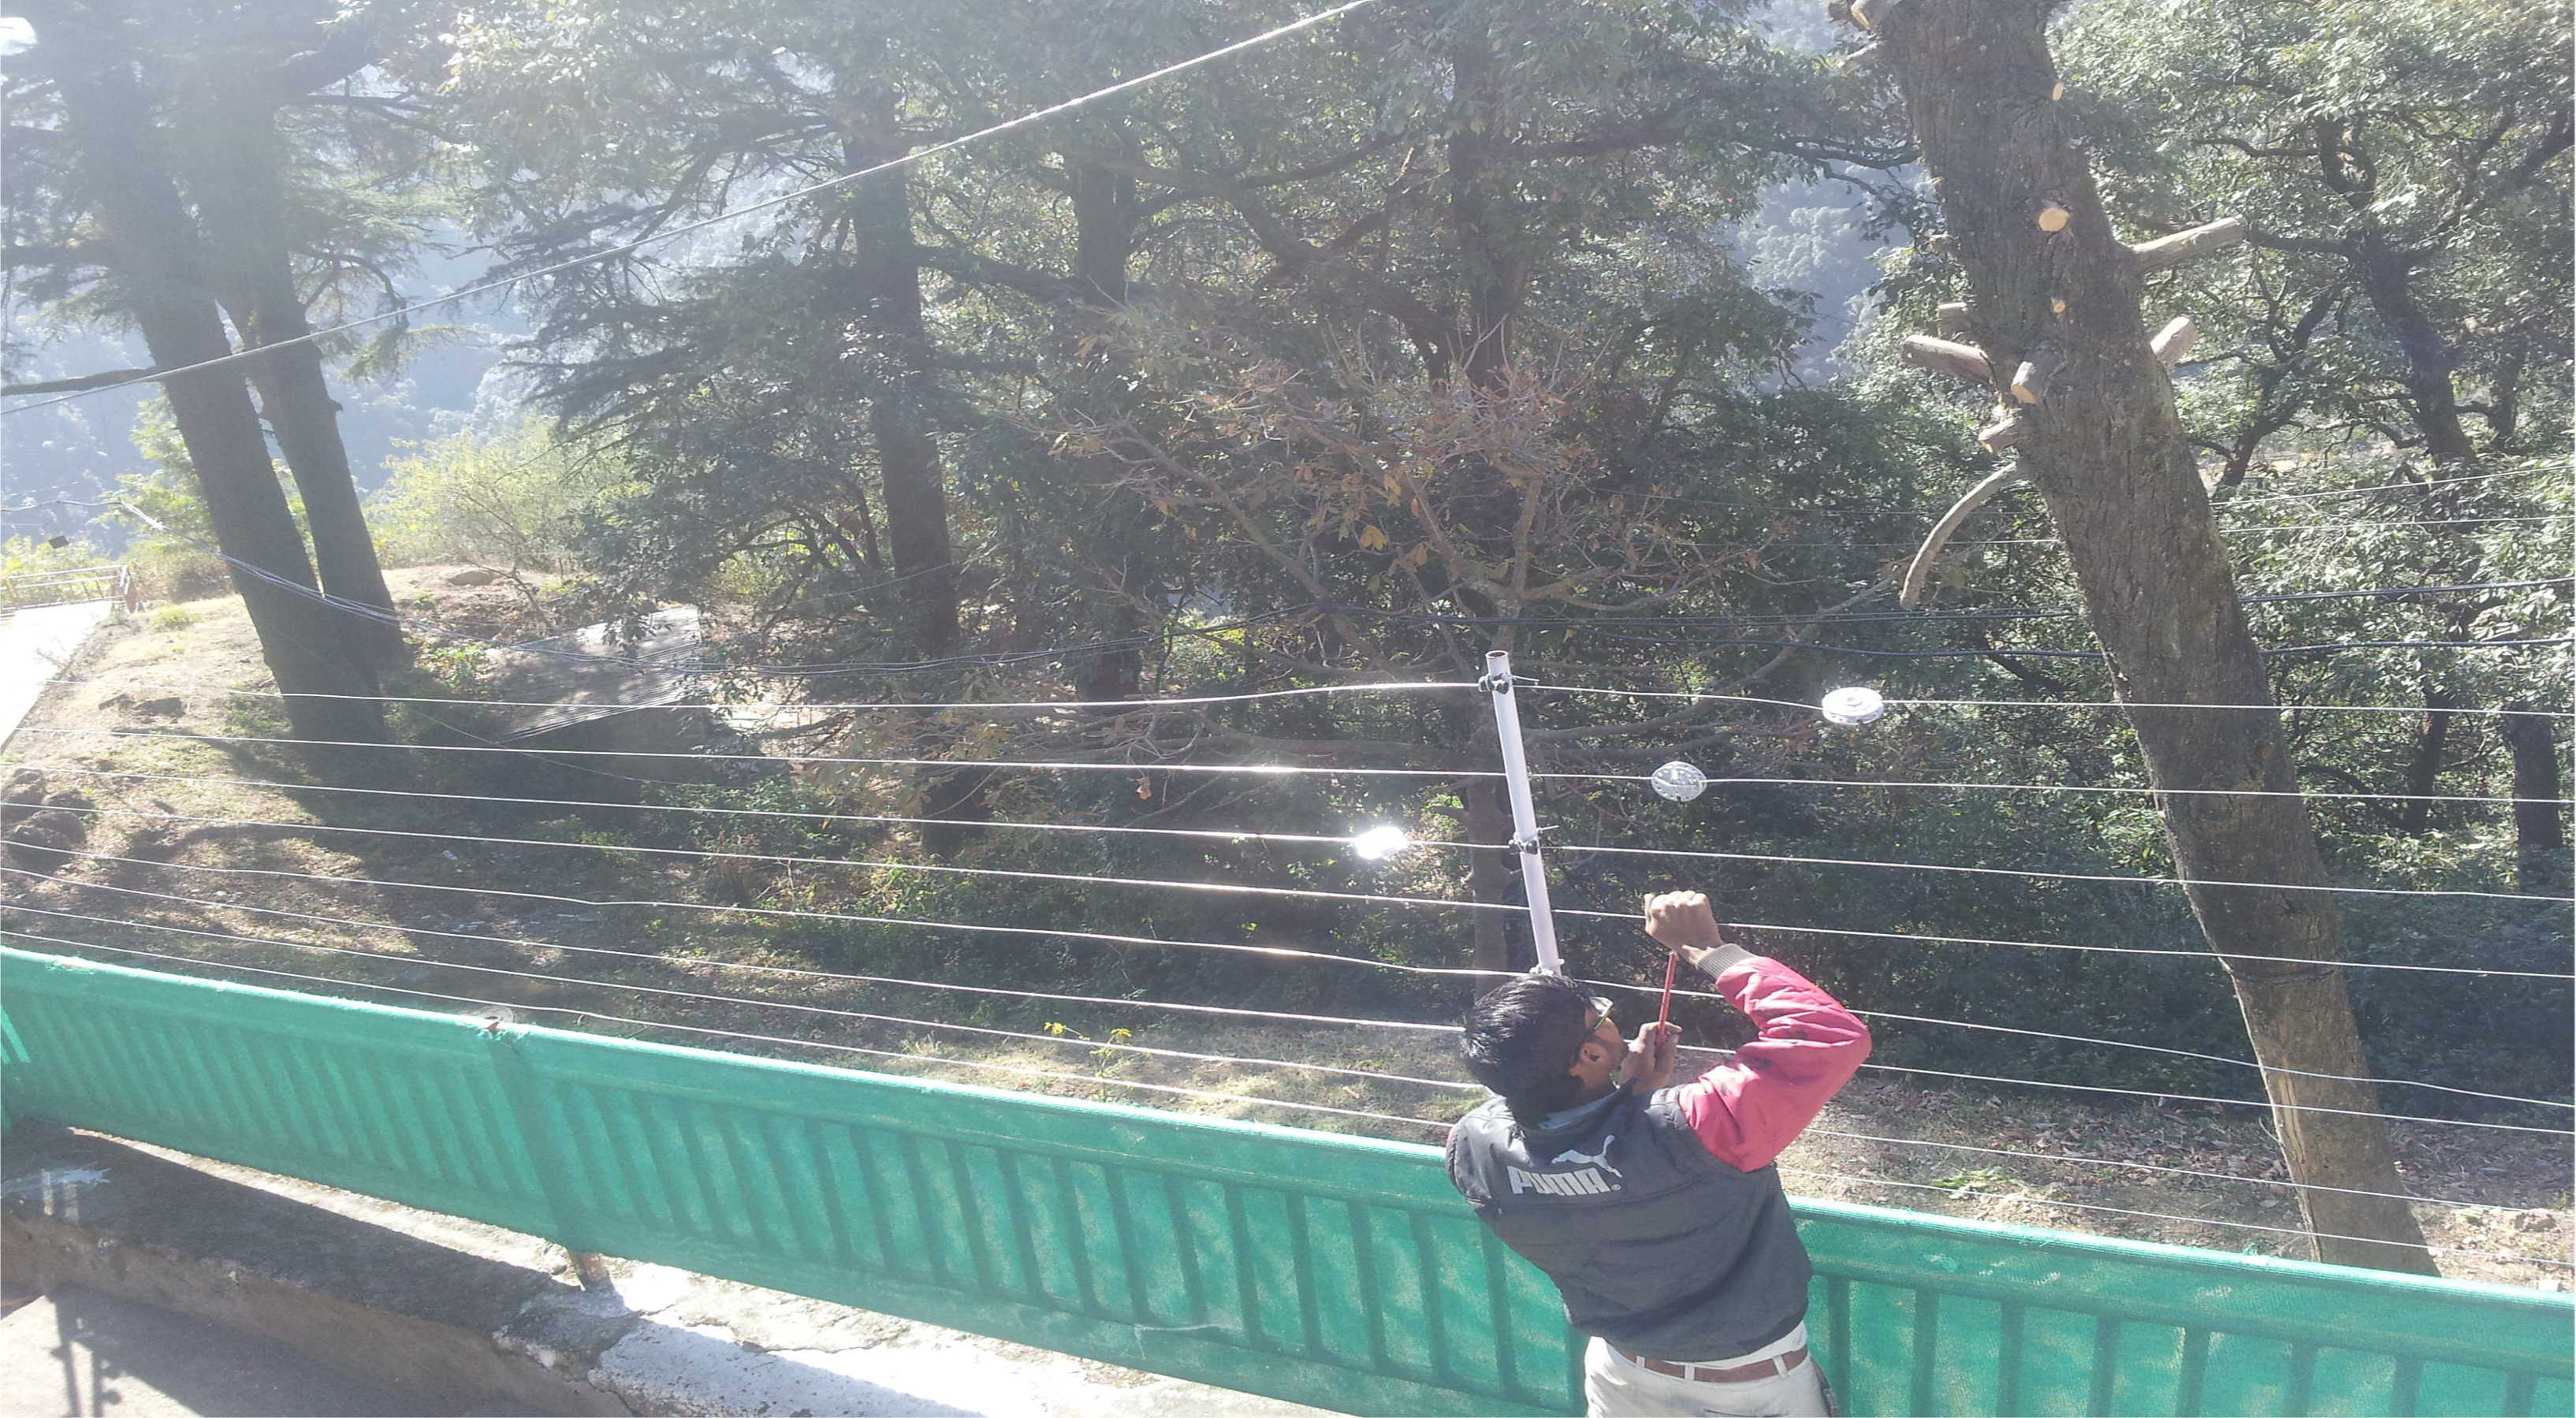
[{"x": 87, "y": 381}]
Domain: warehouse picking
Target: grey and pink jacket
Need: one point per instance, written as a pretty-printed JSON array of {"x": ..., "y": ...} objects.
[{"x": 1660, "y": 1217}]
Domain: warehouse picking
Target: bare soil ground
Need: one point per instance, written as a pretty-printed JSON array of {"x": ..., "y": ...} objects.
[{"x": 182, "y": 807}]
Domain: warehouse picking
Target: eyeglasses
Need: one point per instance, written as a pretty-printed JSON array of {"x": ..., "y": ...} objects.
[{"x": 1600, "y": 1014}]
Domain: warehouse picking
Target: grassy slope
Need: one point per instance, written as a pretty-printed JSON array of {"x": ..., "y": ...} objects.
[{"x": 194, "y": 651}]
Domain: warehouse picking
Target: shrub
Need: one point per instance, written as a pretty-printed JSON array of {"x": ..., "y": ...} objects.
[{"x": 506, "y": 502}]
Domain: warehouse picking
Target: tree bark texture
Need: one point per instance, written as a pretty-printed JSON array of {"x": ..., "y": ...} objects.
[
  {"x": 108, "y": 117},
  {"x": 241, "y": 196},
  {"x": 1492, "y": 870},
  {"x": 1491, "y": 258},
  {"x": 1106, "y": 221},
  {"x": 888, "y": 288},
  {"x": 2424, "y": 767},
  {"x": 2107, "y": 451},
  {"x": 2539, "y": 825},
  {"x": 2388, "y": 282}
]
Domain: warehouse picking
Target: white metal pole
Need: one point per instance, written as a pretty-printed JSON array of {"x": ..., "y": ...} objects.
[{"x": 1507, "y": 729}]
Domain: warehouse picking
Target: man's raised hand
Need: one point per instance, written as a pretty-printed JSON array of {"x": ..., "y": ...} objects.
[
  {"x": 1651, "y": 1057},
  {"x": 1682, "y": 922}
]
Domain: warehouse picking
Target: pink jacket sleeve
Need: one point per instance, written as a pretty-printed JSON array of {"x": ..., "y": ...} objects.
[{"x": 1748, "y": 1109}]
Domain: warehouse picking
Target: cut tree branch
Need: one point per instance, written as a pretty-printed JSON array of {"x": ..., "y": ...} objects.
[
  {"x": 2164, "y": 251},
  {"x": 84, "y": 383}
]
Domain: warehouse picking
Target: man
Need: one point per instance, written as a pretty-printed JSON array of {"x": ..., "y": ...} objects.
[{"x": 1656, "y": 1210}]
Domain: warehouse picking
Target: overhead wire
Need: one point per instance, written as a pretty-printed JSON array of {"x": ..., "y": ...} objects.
[
  {"x": 1122, "y": 706},
  {"x": 2073, "y": 1159},
  {"x": 1406, "y": 686},
  {"x": 2222, "y": 1102},
  {"x": 1901, "y": 703},
  {"x": 1206, "y": 834},
  {"x": 1788, "y": 1170},
  {"x": 708, "y": 854},
  {"x": 734, "y": 213},
  {"x": 1612, "y": 850},
  {"x": 915, "y": 1057},
  {"x": 729, "y": 214},
  {"x": 715, "y": 908},
  {"x": 1928, "y": 512},
  {"x": 1060, "y": 765},
  {"x": 1393, "y": 1024},
  {"x": 1223, "y": 834},
  {"x": 2297, "y": 527},
  {"x": 850, "y": 918},
  {"x": 687, "y": 963},
  {"x": 1230, "y": 1011},
  {"x": 1088, "y": 1079},
  {"x": 528, "y": 944},
  {"x": 909, "y": 1021},
  {"x": 2425, "y": 486},
  {"x": 1239, "y": 888},
  {"x": 2144, "y": 1048}
]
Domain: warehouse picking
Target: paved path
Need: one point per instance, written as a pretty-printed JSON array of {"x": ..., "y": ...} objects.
[
  {"x": 34, "y": 644},
  {"x": 78, "y": 1352}
]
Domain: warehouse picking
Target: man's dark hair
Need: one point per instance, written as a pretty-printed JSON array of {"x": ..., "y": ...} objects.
[{"x": 1521, "y": 1039}]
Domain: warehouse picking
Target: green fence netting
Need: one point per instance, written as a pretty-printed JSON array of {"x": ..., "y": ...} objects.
[{"x": 1334, "y": 1271}]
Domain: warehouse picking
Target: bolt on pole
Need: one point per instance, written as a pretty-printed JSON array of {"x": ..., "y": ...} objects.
[{"x": 1507, "y": 730}]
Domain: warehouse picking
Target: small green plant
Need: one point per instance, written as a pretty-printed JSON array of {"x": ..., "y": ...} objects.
[
  {"x": 173, "y": 618},
  {"x": 1978, "y": 1180},
  {"x": 1116, "y": 1036},
  {"x": 457, "y": 665}
]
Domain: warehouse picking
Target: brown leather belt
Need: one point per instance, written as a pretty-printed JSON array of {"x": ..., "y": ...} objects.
[{"x": 1739, "y": 1374}]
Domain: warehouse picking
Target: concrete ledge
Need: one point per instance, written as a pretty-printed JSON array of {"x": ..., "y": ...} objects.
[
  {"x": 459, "y": 1317},
  {"x": 76, "y": 1352},
  {"x": 362, "y": 1294}
]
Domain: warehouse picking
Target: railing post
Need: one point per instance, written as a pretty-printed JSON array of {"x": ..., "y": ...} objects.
[{"x": 1507, "y": 730}]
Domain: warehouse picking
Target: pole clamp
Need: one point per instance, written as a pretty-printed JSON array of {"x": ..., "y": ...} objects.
[
  {"x": 1500, "y": 683},
  {"x": 1526, "y": 846}
]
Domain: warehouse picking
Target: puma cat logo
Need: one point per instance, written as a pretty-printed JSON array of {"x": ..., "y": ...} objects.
[
  {"x": 1586, "y": 1182},
  {"x": 1598, "y": 1159}
]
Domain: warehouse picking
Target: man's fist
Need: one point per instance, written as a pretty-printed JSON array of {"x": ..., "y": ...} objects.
[{"x": 1682, "y": 923}]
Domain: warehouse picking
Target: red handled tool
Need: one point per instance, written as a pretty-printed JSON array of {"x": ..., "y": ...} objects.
[{"x": 1664, "y": 1015}]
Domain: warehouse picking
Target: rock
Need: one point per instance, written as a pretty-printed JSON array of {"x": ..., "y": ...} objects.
[
  {"x": 26, "y": 788},
  {"x": 472, "y": 576},
  {"x": 168, "y": 706},
  {"x": 44, "y": 840}
]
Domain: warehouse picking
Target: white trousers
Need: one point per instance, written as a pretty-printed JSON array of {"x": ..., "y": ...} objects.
[{"x": 1615, "y": 1386}]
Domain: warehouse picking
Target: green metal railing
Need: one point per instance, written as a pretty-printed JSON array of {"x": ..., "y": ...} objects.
[{"x": 1334, "y": 1271}]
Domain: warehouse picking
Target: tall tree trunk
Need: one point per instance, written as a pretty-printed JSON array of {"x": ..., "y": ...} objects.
[
  {"x": 242, "y": 198},
  {"x": 899, "y": 411},
  {"x": 2388, "y": 281},
  {"x": 1495, "y": 268},
  {"x": 108, "y": 120},
  {"x": 888, "y": 286},
  {"x": 2049, "y": 283},
  {"x": 1492, "y": 870},
  {"x": 2539, "y": 827},
  {"x": 2424, "y": 768},
  {"x": 1105, "y": 219}
]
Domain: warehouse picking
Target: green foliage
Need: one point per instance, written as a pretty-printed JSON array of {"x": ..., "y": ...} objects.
[
  {"x": 172, "y": 565},
  {"x": 1437, "y": 330},
  {"x": 21, "y": 556},
  {"x": 2404, "y": 165},
  {"x": 511, "y": 502}
]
